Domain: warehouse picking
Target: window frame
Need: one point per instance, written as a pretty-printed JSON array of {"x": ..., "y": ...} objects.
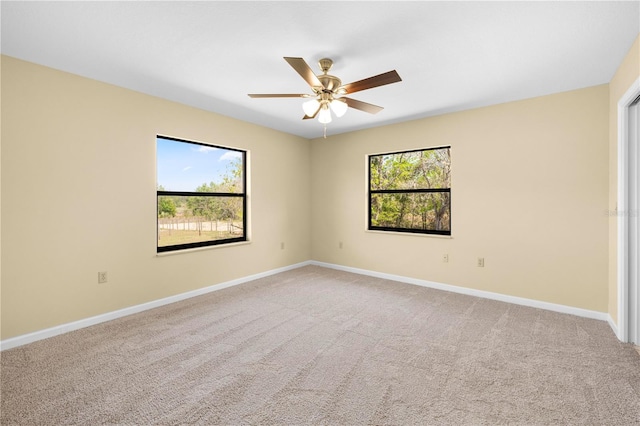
[
  {"x": 371, "y": 192},
  {"x": 242, "y": 195}
]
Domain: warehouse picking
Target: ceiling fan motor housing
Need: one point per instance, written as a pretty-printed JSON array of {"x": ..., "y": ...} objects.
[{"x": 330, "y": 82}]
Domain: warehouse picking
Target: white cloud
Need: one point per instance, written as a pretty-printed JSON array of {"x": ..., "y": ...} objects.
[
  {"x": 186, "y": 168},
  {"x": 230, "y": 155},
  {"x": 206, "y": 149}
]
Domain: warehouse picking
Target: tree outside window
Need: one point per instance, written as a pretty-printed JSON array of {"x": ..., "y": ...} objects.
[
  {"x": 410, "y": 191},
  {"x": 201, "y": 195}
]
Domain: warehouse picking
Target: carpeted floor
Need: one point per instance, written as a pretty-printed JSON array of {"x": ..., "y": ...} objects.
[{"x": 315, "y": 346}]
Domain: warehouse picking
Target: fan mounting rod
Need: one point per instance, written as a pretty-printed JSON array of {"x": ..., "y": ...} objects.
[{"x": 331, "y": 83}]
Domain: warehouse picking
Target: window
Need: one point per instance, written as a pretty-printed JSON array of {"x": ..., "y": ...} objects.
[
  {"x": 201, "y": 194},
  {"x": 410, "y": 191}
]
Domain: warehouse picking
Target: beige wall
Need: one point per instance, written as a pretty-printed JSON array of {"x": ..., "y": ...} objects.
[
  {"x": 78, "y": 197},
  {"x": 529, "y": 194},
  {"x": 626, "y": 74},
  {"x": 531, "y": 186}
]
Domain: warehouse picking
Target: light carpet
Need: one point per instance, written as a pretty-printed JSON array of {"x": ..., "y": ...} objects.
[{"x": 316, "y": 346}]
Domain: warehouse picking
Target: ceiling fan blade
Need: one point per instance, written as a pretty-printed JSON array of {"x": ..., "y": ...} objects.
[
  {"x": 371, "y": 82},
  {"x": 363, "y": 106},
  {"x": 305, "y": 71},
  {"x": 278, "y": 95}
]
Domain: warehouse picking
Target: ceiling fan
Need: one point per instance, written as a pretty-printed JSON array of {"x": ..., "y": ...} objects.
[{"x": 328, "y": 91}]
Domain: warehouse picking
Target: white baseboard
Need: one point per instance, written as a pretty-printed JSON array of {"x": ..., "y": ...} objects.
[
  {"x": 87, "y": 322},
  {"x": 603, "y": 316}
]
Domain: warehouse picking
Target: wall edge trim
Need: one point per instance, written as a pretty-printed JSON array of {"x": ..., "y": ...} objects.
[
  {"x": 623, "y": 262},
  {"x": 613, "y": 326}
]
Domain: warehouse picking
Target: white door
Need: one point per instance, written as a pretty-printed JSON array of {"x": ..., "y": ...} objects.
[
  {"x": 632, "y": 214},
  {"x": 628, "y": 215}
]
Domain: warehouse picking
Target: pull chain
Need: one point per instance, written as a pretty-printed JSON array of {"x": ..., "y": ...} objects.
[{"x": 325, "y": 131}]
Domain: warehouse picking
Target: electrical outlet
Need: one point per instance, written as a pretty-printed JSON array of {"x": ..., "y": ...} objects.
[
  {"x": 445, "y": 258},
  {"x": 481, "y": 262},
  {"x": 102, "y": 277}
]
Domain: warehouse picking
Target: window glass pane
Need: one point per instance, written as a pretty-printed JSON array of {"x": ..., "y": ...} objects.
[
  {"x": 428, "y": 169},
  {"x": 201, "y": 199},
  {"x": 196, "y": 219},
  {"x": 185, "y": 166},
  {"x": 416, "y": 211}
]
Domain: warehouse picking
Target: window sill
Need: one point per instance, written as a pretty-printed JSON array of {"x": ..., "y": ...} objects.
[{"x": 410, "y": 234}]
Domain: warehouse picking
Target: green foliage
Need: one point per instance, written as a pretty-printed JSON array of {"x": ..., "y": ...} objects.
[
  {"x": 415, "y": 170},
  {"x": 429, "y": 169},
  {"x": 166, "y": 207}
]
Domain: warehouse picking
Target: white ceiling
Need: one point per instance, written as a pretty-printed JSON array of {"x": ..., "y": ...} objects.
[{"x": 451, "y": 55}]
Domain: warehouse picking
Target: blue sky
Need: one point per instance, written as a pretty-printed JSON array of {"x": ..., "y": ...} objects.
[{"x": 185, "y": 166}]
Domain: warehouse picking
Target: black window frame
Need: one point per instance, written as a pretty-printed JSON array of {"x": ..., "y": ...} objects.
[
  {"x": 372, "y": 192},
  {"x": 243, "y": 196}
]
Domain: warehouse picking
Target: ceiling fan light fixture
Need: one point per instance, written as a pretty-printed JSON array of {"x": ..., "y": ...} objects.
[
  {"x": 328, "y": 91},
  {"x": 339, "y": 107},
  {"x": 324, "y": 116},
  {"x": 310, "y": 107}
]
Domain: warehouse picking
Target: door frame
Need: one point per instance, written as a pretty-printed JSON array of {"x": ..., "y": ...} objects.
[{"x": 627, "y": 167}]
